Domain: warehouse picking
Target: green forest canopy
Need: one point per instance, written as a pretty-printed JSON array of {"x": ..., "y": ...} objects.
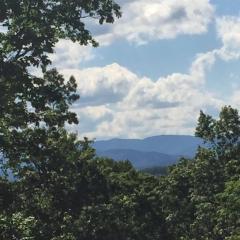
[{"x": 62, "y": 190}]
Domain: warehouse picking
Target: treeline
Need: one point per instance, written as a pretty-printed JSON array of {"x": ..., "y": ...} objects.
[
  {"x": 61, "y": 190},
  {"x": 72, "y": 194},
  {"x": 156, "y": 171}
]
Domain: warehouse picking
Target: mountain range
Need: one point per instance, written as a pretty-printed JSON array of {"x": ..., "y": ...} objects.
[
  {"x": 154, "y": 151},
  {"x": 157, "y": 151}
]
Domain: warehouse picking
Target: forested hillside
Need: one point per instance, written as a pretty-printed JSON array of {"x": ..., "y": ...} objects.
[
  {"x": 61, "y": 190},
  {"x": 138, "y": 159},
  {"x": 157, "y": 151}
]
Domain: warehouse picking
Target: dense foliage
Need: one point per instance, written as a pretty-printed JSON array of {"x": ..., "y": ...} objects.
[
  {"x": 156, "y": 171},
  {"x": 61, "y": 190}
]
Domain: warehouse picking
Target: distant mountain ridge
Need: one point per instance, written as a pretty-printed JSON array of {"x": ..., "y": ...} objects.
[
  {"x": 152, "y": 151},
  {"x": 140, "y": 159}
]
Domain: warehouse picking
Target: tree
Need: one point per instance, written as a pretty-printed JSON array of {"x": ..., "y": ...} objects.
[
  {"x": 17, "y": 226},
  {"x": 33, "y": 28},
  {"x": 34, "y": 110},
  {"x": 60, "y": 190},
  {"x": 228, "y": 216},
  {"x": 223, "y": 134},
  {"x": 200, "y": 197}
]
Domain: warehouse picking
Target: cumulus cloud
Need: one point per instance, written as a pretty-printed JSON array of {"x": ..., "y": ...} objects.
[
  {"x": 228, "y": 29},
  {"x": 144, "y": 21},
  {"x": 70, "y": 55},
  {"x": 116, "y": 102},
  {"x": 144, "y": 122},
  {"x": 98, "y": 85}
]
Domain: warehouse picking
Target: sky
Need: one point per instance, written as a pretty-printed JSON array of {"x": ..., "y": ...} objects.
[{"x": 155, "y": 68}]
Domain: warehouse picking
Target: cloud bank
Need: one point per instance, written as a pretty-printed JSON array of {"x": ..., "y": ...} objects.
[
  {"x": 144, "y": 21},
  {"x": 116, "y": 102}
]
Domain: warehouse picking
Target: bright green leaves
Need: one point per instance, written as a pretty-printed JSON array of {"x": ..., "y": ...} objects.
[
  {"x": 34, "y": 27},
  {"x": 200, "y": 197},
  {"x": 222, "y": 134},
  {"x": 228, "y": 213},
  {"x": 17, "y": 226}
]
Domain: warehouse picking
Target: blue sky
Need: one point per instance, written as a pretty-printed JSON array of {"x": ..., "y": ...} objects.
[{"x": 156, "y": 68}]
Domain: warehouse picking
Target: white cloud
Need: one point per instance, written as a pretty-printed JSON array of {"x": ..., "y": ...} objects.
[
  {"x": 235, "y": 98},
  {"x": 143, "y": 21},
  {"x": 228, "y": 29},
  {"x": 102, "y": 85},
  {"x": 144, "y": 122},
  {"x": 70, "y": 55},
  {"x": 3, "y": 29},
  {"x": 117, "y": 103}
]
